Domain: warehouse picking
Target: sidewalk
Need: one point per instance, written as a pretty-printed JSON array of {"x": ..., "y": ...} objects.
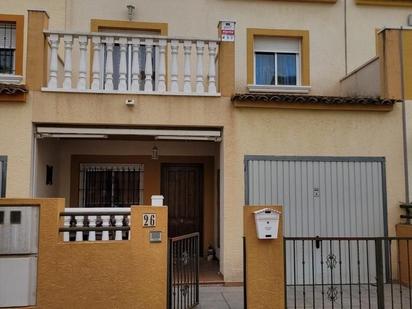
[{"x": 220, "y": 297}]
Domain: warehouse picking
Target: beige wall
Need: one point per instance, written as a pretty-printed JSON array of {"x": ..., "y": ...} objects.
[
  {"x": 324, "y": 21},
  {"x": 83, "y": 274}
]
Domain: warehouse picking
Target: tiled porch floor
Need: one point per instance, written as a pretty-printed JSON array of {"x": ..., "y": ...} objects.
[{"x": 220, "y": 297}]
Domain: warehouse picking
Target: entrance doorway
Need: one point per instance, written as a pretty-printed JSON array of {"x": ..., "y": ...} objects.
[{"x": 182, "y": 188}]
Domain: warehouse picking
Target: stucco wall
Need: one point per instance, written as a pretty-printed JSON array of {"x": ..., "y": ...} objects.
[{"x": 83, "y": 274}]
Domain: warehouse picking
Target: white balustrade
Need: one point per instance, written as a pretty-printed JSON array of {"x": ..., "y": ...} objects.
[
  {"x": 148, "y": 85},
  {"x": 108, "y": 85},
  {"x": 161, "y": 87},
  {"x": 66, "y": 224},
  {"x": 212, "y": 67},
  {"x": 81, "y": 83},
  {"x": 123, "y": 64},
  {"x": 105, "y": 224},
  {"x": 119, "y": 223},
  {"x": 96, "y": 63},
  {"x": 79, "y": 223},
  {"x": 120, "y": 63},
  {"x": 135, "y": 65},
  {"x": 95, "y": 221},
  {"x": 68, "y": 46},
  {"x": 187, "y": 85},
  {"x": 174, "y": 87},
  {"x": 92, "y": 224},
  {"x": 200, "y": 46}
]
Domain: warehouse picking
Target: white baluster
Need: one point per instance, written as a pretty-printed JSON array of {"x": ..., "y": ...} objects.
[
  {"x": 92, "y": 224},
  {"x": 54, "y": 45},
  {"x": 200, "y": 88},
  {"x": 212, "y": 67},
  {"x": 119, "y": 223},
  {"x": 174, "y": 86},
  {"x": 187, "y": 49},
  {"x": 105, "y": 224},
  {"x": 123, "y": 65},
  {"x": 148, "y": 84},
  {"x": 161, "y": 87},
  {"x": 135, "y": 65},
  {"x": 68, "y": 47},
  {"x": 128, "y": 224},
  {"x": 79, "y": 223},
  {"x": 109, "y": 64},
  {"x": 81, "y": 83},
  {"x": 96, "y": 63},
  {"x": 66, "y": 224}
]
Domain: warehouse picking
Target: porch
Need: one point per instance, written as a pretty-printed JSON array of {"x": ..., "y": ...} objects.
[{"x": 99, "y": 173}]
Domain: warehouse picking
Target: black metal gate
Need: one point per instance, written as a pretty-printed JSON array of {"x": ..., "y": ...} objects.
[
  {"x": 183, "y": 275},
  {"x": 341, "y": 272}
]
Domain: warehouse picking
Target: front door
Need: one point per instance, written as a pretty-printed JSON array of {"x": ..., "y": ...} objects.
[{"x": 182, "y": 188}]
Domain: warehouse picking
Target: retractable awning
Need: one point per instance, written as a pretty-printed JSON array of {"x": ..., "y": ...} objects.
[{"x": 160, "y": 134}]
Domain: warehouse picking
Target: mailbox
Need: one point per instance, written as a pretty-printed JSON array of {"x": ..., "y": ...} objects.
[{"x": 267, "y": 223}]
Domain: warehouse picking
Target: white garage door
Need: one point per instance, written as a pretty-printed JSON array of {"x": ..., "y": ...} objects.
[{"x": 322, "y": 196}]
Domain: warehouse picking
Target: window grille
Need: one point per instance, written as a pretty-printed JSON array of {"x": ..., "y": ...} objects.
[
  {"x": 111, "y": 185},
  {"x": 3, "y": 172},
  {"x": 7, "y": 48}
]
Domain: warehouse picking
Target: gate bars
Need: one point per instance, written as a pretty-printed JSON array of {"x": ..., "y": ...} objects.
[
  {"x": 183, "y": 274},
  {"x": 348, "y": 272}
]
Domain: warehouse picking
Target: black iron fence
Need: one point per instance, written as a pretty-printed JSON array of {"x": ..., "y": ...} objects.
[
  {"x": 342, "y": 272},
  {"x": 183, "y": 275}
]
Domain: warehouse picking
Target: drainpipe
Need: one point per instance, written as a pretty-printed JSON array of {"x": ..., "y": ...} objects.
[
  {"x": 404, "y": 128},
  {"x": 345, "y": 17}
]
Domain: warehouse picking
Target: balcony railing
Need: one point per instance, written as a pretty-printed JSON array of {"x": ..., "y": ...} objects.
[
  {"x": 125, "y": 63},
  {"x": 95, "y": 224}
]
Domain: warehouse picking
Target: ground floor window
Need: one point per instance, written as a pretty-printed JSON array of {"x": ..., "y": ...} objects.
[
  {"x": 3, "y": 170},
  {"x": 111, "y": 185}
]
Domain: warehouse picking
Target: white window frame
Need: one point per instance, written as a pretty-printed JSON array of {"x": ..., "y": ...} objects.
[{"x": 298, "y": 63}]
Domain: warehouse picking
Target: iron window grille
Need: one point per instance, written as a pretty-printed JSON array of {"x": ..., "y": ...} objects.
[
  {"x": 3, "y": 172},
  {"x": 111, "y": 185},
  {"x": 7, "y": 48}
]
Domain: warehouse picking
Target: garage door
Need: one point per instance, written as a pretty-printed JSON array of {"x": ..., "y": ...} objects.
[{"x": 322, "y": 196}]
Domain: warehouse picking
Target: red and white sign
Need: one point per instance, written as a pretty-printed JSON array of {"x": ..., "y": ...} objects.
[{"x": 227, "y": 31}]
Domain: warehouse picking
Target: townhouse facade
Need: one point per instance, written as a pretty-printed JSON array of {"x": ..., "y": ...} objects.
[{"x": 212, "y": 104}]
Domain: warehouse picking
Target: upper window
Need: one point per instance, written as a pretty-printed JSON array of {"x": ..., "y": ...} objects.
[
  {"x": 277, "y": 61},
  {"x": 11, "y": 44},
  {"x": 7, "y": 48}
]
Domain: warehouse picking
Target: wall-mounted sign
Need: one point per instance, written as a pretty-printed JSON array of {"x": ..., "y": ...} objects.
[
  {"x": 227, "y": 31},
  {"x": 149, "y": 220}
]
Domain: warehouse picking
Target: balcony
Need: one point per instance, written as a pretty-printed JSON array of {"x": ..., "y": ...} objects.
[{"x": 111, "y": 63}]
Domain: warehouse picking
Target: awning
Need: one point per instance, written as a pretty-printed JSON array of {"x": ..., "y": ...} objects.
[{"x": 158, "y": 134}]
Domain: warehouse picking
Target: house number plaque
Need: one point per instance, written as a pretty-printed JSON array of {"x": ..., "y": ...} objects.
[{"x": 149, "y": 220}]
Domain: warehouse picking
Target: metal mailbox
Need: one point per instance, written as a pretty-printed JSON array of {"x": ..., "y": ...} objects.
[
  {"x": 267, "y": 223},
  {"x": 18, "y": 255}
]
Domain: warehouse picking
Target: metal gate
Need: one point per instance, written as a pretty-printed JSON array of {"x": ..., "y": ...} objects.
[
  {"x": 344, "y": 272},
  {"x": 322, "y": 196},
  {"x": 183, "y": 274}
]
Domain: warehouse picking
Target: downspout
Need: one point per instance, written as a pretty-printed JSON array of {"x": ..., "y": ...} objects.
[
  {"x": 404, "y": 128},
  {"x": 345, "y": 16}
]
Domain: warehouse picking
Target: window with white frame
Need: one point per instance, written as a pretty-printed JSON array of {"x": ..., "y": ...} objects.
[
  {"x": 277, "y": 61},
  {"x": 7, "y": 47}
]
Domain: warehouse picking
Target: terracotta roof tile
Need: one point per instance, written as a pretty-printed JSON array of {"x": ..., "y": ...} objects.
[
  {"x": 11, "y": 89},
  {"x": 309, "y": 99}
]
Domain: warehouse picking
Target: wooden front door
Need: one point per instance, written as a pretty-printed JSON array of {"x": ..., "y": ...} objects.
[{"x": 182, "y": 188}]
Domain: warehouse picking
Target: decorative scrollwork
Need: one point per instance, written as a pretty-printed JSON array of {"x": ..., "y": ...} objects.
[
  {"x": 185, "y": 258},
  {"x": 184, "y": 290},
  {"x": 332, "y": 294},
  {"x": 331, "y": 261}
]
